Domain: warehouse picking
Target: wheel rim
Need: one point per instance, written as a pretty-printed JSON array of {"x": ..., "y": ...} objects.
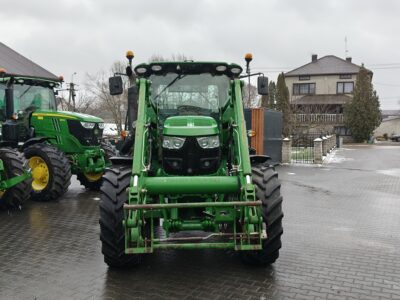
[
  {"x": 40, "y": 173},
  {"x": 93, "y": 177}
]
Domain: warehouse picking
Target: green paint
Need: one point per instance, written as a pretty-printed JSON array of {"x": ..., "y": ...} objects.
[
  {"x": 224, "y": 201},
  {"x": 190, "y": 126}
]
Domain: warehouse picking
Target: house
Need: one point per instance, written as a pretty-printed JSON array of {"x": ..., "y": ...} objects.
[
  {"x": 389, "y": 127},
  {"x": 318, "y": 92}
]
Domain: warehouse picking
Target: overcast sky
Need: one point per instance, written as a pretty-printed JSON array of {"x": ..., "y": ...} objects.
[{"x": 88, "y": 36}]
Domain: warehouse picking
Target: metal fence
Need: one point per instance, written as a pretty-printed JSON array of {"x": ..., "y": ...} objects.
[{"x": 303, "y": 148}]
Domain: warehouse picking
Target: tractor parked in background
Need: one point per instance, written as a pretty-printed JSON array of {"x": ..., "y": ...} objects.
[
  {"x": 55, "y": 143},
  {"x": 190, "y": 173}
]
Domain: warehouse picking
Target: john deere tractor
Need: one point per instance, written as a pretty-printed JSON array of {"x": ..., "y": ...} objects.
[
  {"x": 55, "y": 143},
  {"x": 191, "y": 182}
]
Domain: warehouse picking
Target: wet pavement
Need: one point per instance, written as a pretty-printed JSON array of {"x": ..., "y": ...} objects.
[{"x": 341, "y": 241}]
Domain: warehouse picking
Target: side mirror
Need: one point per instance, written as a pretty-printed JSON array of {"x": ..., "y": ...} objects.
[
  {"x": 262, "y": 85},
  {"x": 115, "y": 85}
]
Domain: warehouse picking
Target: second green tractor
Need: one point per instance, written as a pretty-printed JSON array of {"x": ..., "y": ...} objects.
[{"x": 56, "y": 144}]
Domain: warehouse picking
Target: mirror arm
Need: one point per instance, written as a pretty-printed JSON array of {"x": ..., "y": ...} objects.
[
  {"x": 250, "y": 75},
  {"x": 121, "y": 74}
]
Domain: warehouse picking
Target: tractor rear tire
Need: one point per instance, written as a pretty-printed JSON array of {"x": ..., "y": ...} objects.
[
  {"x": 14, "y": 165},
  {"x": 268, "y": 187},
  {"x": 113, "y": 196},
  {"x": 92, "y": 181},
  {"x": 53, "y": 177}
]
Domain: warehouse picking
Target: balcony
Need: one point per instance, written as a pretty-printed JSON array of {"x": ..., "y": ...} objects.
[{"x": 337, "y": 119}]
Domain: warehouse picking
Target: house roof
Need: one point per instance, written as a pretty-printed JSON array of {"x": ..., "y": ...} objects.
[
  {"x": 327, "y": 65},
  {"x": 16, "y": 64},
  {"x": 322, "y": 99}
]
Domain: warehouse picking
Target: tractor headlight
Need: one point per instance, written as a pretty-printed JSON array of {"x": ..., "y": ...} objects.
[
  {"x": 208, "y": 142},
  {"x": 88, "y": 125},
  {"x": 101, "y": 125},
  {"x": 173, "y": 142}
]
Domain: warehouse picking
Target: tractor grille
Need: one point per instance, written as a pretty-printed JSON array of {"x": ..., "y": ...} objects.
[
  {"x": 191, "y": 159},
  {"x": 87, "y": 137}
]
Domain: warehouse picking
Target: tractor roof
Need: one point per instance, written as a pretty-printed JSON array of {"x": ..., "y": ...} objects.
[
  {"x": 30, "y": 80},
  {"x": 188, "y": 67}
]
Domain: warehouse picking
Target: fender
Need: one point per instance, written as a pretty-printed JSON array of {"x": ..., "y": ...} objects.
[
  {"x": 32, "y": 141},
  {"x": 122, "y": 160},
  {"x": 260, "y": 159}
]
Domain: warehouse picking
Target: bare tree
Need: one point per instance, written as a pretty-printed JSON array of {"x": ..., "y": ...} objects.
[
  {"x": 253, "y": 101},
  {"x": 174, "y": 57},
  {"x": 98, "y": 91}
]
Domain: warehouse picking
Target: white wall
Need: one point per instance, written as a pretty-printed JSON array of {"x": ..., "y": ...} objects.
[
  {"x": 389, "y": 127},
  {"x": 324, "y": 85}
]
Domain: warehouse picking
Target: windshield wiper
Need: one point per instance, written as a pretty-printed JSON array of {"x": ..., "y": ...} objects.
[
  {"x": 25, "y": 91},
  {"x": 180, "y": 76}
]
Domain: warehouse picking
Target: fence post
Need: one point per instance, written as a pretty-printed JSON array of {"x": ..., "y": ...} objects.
[
  {"x": 328, "y": 144},
  {"x": 324, "y": 146},
  {"x": 286, "y": 150},
  {"x": 333, "y": 141},
  {"x": 318, "y": 151}
]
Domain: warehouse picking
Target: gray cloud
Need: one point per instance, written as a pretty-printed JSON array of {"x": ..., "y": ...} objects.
[{"x": 87, "y": 36}]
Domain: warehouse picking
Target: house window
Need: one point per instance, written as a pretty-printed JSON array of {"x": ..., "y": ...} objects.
[
  {"x": 304, "y": 77},
  {"x": 303, "y": 88},
  {"x": 345, "y": 76},
  {"x": 345, "y": 87}
]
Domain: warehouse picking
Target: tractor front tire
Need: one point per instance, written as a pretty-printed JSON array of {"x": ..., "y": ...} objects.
[
  {"x": 265, "y": 178},
  {"x": 113, "y": 196},
  {"x": 109, "y": 150},
  {"x": 14, "y": 165},
  {"x": 51, "y": 171}
]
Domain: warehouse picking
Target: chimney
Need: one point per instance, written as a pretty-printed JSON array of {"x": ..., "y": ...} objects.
[
  {"x": 348, "y": 59},
  {"x": 314, "y": 57}
]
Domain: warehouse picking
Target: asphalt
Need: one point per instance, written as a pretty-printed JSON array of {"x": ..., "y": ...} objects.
[{"x": 341, "y": 241}]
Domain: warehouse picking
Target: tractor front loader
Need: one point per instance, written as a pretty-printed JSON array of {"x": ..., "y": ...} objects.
[
  {"x": 191, "y": 173},
  {"x": 55, "y": 143}
]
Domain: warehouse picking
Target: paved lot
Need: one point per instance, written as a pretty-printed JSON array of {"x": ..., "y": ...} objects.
[{"x": 341, "y": 241}]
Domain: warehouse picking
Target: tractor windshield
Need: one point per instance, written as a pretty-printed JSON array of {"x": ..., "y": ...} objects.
[
  {"x": 29, "y": 97},
  {"x": 175, "y": 94}
]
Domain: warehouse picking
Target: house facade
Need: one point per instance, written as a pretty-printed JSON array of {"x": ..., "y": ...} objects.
[{"x": 319, "y": 91}]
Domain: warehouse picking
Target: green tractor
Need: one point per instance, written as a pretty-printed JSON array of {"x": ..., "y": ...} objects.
[
  {"x": 55, "y": 143},
  {"x": 191, "y": 182}
]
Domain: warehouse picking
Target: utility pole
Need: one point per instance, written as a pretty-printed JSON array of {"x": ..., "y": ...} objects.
[{"x": 72, "y": 93}]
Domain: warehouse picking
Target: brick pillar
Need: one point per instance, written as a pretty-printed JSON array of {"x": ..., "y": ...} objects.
[
  {"x": 333, "y": 141},
  {"x": 328, "y": 144},
  {"x": 318, "y": 151},
  {"x": 286, "y": 151},
  {"x": 324, "y": 146}
]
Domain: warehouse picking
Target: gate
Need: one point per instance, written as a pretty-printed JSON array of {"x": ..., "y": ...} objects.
[{"x": 303, "y": 148}]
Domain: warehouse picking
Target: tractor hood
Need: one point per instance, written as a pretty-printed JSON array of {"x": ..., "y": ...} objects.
[
  {"x": 68, "y": 115},
  {"x": 190, "y": 126}
]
